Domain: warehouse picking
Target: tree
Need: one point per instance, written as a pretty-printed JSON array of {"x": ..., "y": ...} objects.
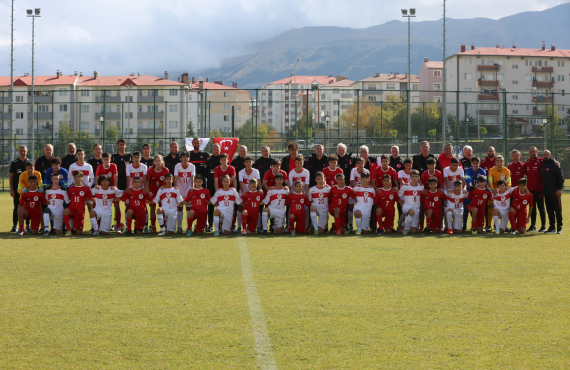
[
  {"x": 513, "y": 127},
  {"x": 303, "y": 127},
  {"x": 190, "y": 129}
]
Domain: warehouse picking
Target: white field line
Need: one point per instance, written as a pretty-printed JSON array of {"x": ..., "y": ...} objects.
[{"x": 263, "y": 347}]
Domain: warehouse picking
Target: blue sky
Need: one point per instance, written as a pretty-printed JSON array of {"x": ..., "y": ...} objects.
[{"x": 124, "y": 36}]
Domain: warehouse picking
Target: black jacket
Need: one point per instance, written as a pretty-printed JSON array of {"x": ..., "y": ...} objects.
[
  {"x": 68, "y": 160},
  {"x": 552, "y": 178},
  {"x": 285, "y": 164},
  {"x": 170, "y": 162},
  {"x": 396, "y": 163},
  {"x": 199, "y": 161},
  {"x": 42, "y": 164},
  {"x": 346, "y": 163},
  {"x": 315, "y": 165},
  {"x": 263, "y": 165},
  {"x": 466, "y": 163},
  {"x": 212, "y": 162},
  {"x": 238, "y": 163},
  {"x": 419, "y": 162}
]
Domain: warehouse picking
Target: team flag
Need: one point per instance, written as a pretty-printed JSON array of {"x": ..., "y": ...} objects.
[
  {"x": 203, "y": 142},
  {"x": 228, "y": 145}
]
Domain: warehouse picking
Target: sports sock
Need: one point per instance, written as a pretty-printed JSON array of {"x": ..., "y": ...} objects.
[
  {"x": 65, "y": 220},
  {"x": 190, "y": 221},
  {"x": 152, "y": 222},
  {"x": 379, "y": 220},
  {"x": 349, "y": 219},
  {"x": 129, "y": 223},
  {"x": 292, "y": 224},
  {"x": 490, "y": 216},
  {"x": 94, "y": 223},
  {"x": 46, "y": 220},
  {"x": 216, "y": 223},
  {"x": 338, "y": 223},
  {"x": 239, "y": 217},
  {"x": 449, "y": 217},
  {"x": 409, "y": 221},
  {"x": 314, "y": 220},
  {"x": 117, "y": 217},
  {"x": 21, "y": 227},
  {"x": 428, "y": 222},
  {"x": 496, "y": 220},
  {"x": 243, "y": 219},
  {"x": 513, "y": 221},
  {"x": 179, "y": 217},
  {"x": 146, "y": 220},
  {"x": 160, "y": 219},
  {"x": 264, "y": 220},
  {"x": 307, "y": 217},
  {"x": 358, "y": 223}
]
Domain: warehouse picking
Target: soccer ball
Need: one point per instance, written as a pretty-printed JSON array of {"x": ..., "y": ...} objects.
[{"x": 120, "y": 228}]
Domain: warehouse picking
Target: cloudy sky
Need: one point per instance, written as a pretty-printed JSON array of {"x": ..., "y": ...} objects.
[{"x": 122, "y": 36}]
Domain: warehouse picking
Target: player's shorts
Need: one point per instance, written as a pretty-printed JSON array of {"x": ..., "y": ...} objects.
[
  {"x": 351, "y": 201},
  {"x": 416, "y": 219},
  {"x": 57, "y": 220},
  {"x": 201, "y": 218},
  {"x": 252, "y": 217},
  {"x": 299, "y": 222},
  {"x": 35, "y": 218},
  {"x": 153, "y": 190},
  {"x": 363, "y": 210},
  {"x": 457, "y": 218},
  {"x": 78, "y": 219},
  {"x": 388, "y": 219},
  {"x": 480, "y": 222},
  {"x": 521, "y": 217},
  {"x": 226, "y": 219},
  {"x": 105, "y": 219},
  {"x": 183, "y": 194},
  {"x": 278, "y": 216},
  {"x": 140, "y": 219},
  {"x": 171, "y": 217},
  {"x": 323, "y": 218}
]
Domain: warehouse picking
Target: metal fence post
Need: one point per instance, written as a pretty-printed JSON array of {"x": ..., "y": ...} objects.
[
  {"x": 465, "y": 123},
  {"x": 457, "y": 118},
  {"x": 357, "y": 118},
  {"x": 505, "y": 140}
]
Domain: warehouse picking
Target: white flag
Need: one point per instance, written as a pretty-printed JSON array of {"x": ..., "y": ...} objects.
[{"x": 203, "y": 142}]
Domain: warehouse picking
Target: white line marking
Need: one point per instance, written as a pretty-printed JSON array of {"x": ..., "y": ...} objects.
[{"x": 263, "y": 347}]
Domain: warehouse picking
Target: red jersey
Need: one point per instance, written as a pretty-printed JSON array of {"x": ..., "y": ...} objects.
[
  {"x": 521, "y": 201},
  {"x": 433, "y": 201},
  {"x": 110, "y": 171},
  {"x": 199, "y": 199},
  {"x": 330, "y": 175},
  {"x": 78, "y": 195},
  {"x": 385, "y": 199},
  {"x": 270, "y": 178},
  {"x": 488, "y": 163},
  {"x": 32, "y": 201},
  {"x": 479, "y": 197},
  {"x": 156, "y": 179},
  {"x": 297, "y": 203},
  {"x": 252, "y": 200},
  {"x": 338, "y": 198},
  {"x": 532, "y": 168},
  {"x": 437, "y": 174},
  {"x": 517, "y": 172},
  {"x": 379, "y": 173},
  {"x": 219, "y": 173},
  {"x": 137, "y": 199}
]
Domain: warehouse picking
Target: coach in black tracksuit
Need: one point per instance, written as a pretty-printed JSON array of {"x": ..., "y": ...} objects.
[
  {"x": 210, "y": 165},
  {"x": 314, "y": 165},
  {"x": 552, "y": 184}
]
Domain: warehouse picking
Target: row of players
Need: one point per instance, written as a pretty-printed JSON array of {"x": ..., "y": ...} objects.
[{"x": 320, "y": 201}]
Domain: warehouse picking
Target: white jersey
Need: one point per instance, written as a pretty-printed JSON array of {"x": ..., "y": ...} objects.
[
  {"x": 275, "y": 198},
  {"x": 355, "y": 176},
  {"x": 455, "y": 201},
  {"x": 320, "y": 197},
  {"x": 56, "y": 198},
  {"x": 104, "y": 199},
  {"x": 404, "y": 177},
  {"x": 133, "y": 172},
  {"x": 226, "y": 199},
  {"x": 411, "y": 194},
  {"x": 502, "y": 201},
  {"x": 244, "y": 177},
  {"x": 184, "y": 177},
  {"x": 364, "y": 197},
  {"x": 86, "y": 169},
  {"x": 168, "y": 198},
  {"x": 452, "y": 176},
  {"x": 302, "y": 176}
]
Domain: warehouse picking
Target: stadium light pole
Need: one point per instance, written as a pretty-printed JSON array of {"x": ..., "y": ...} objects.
[
  {"x": 411, "y": 15},
  {"x": 294, "y": 67},
  {"x": 33, "y": 14}
]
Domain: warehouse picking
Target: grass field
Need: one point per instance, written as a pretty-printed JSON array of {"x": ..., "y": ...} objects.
[{"x": 435, "y": 302}]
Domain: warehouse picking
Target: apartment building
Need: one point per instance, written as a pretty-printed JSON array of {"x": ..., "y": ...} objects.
[
  {"x": 431, "y": 81},
  {"x": 378, "y": 88},
  {"x": 336, "y": 98},
  {"x": 527, "y": 77}
]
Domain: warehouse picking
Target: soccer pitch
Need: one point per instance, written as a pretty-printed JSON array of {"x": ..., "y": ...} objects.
[{"x": 282, "y": 302}]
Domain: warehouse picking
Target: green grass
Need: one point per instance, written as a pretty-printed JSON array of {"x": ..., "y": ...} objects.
[{"x": 329, "y": 302}]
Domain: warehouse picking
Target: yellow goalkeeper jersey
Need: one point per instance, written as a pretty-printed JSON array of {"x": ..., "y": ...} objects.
[{"x": 495, "y": 175}]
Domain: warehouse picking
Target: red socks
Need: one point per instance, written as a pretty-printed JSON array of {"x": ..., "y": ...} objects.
[
  {"x": 67, "y": 224},
  {"x": 22, "y": 227},
  {"x": 190, "y": 222},
  {"x": 243, "y": 221},
  {"x": 338, "y": 223},
  {"x": 513, "y": 221},
  {"x": 428, "y": 222},
  {"x": 379, "y": 220},
  {"x": 152, "y": 222},
  {"x": 129, "y": 223},
  {"x": 118, "y": 217}
]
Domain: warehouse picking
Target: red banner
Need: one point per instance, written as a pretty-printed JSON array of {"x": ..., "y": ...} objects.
[{"x": 228, "y": 146}]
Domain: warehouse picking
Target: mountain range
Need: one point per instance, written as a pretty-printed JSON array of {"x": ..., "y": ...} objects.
[{"x": 360, "y": 53}]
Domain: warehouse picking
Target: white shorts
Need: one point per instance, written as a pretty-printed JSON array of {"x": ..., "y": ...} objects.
[
  {"x": 363, "y": 210},
  {"x": 57, "y": 220},
  {"x": 171, "y": 218},
  {"x": 278, "y": 216},
  {"x": 323, "y": 215},
  {"x": 503, "y": 219},
  {"x": 457, "y": 218},
  {"x": 416, "y": 220},
  {"x": 105, "y": 219},
  {"x": 226, "y": 218},
  {"x": 183, "y": 194}
]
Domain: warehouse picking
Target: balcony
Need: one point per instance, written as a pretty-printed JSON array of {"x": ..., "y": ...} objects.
[
  {"x": 542, "y": 69},
  {"x": 346, "y": 96},
  {"x": 537, "y": 112},
  {"x": 488, "y": 112},
  {"x": 40, "y": 99},
  {"x": 488, "y": 96},
  {"x": 42, "y": 115},
  {"x": 43, "y": 131},
  {"x": 488, "y": 82},
  {"x": 150, "y": 131},
  {"x": 108, "y": 115},
  {"x": 543, "y": 83},
  {"x": 149, "y": 99},
  {"x": 541, "y": 98},
  {"x": 5, "y": 116},
  {"x": 494, "y": 67},
  {"x": 108, "y": 99},
  {"x": 150, "y": 115}
]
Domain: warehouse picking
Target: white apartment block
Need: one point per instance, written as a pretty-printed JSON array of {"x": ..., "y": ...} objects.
[
  {"x": 335, "y": 99},
  {"x": 527, "y": 76},
  {"x": 378, "y": 88}
]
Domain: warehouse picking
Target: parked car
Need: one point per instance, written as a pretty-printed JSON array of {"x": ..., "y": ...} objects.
[
  {"x": 306, "y": 144},
  {"x": 494, "y": 137}
]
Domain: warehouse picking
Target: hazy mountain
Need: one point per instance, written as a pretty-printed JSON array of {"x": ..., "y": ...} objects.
[{"x": 360, "y": 53}]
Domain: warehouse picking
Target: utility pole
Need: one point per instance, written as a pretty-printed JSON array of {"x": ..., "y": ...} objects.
[
  {"x": 11, "y": 81},
  {"x": 409, "y": 141},
  {"x": 444, "y": 118},
  {"x": 33, "y": 14}
]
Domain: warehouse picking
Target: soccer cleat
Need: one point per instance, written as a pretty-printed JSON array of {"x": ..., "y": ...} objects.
[
  {"x": 244, "y": 232},
  {"x": 28, "y": 229},
  {"x": 338, "y": 232},
  {"x": 179, "y": 231},
  {"x": 550, "y": 230},
  {"x": 128, "y": 233},
  {"x": 21, "y": 233},
  {"x": 358, "y": 232},
  {"x": 145, "y": 230},
  {"x": 162, "y": 232},
  {"x": 497, "y": 231},
  {"x": 559, "y": 231},
  {"x": 292, "y": 232},
  {"x": 189, "y": 232},
  {"x": 153, "y": 230},
  {"x": 531, "y": 229},
  {"x": 405, "y": 232},
  {"x": 95, "y": 233},
  {"x": 248, "y": 232},
  {"x": 112, "y": 228},
  {"x": 264, "y": 232},
  {"x": 380, "y": 232},
  {"x": 427, "y": 230},
  {"x": 46, "y": 232},
  {"x": 67, "y": 235},
  {"x": 474, "y": 232},
  {"x": 542, "y": 229},
  {"x": 216, "y": 233},
  {"x": 14, "y": 229},
  {"x": 238, "y": 229},
  {"x": 488, "y": 229},
  {"x": 449, "y": 231},
  {"x": 316, "y": 231},
  {"x": 513, "y": 232},
  {"x": 119, "y": 229},
  {"x": 260, "y": 230}
]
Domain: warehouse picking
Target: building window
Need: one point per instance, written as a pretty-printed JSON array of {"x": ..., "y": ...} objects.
[
  {"x": 468, "y": 91},
  {"x": 226, "y": 118},
  {"x": 415, "y": 86},
  {"x": 528, "y": 63},
  {"x": 500, "y": 77},
  {"x": 515, "y": 97},
  {"x": 239, "y": 118},
  {"x": 390, "y": 86},
  {"x": 437, "y": 86},
  {"x": 371, "y": 87},
  {"x": 371, "y": 98},
  {"x": 19, "y": 115},
  {"x": 62, "y": 92},
  {"x": 128, "y": 114},
  {"x": 239, "y": 108},
  {"x": 468, "y": 61},
  {"x": 515, "y": 82},
  {"x": 515, "y": 66},
  {"x": 43, "y": 108},
  {"x": 468, "y": 76},
  {"x": 437, "y": 99},
  {"x": 208, "y": 94},
  {"x": 528, "y": 77},
  {"x": 150, "y": 108},
  {"x": 173, "y": 124},
  {"x": 323, "y": 96},
  {"x": 140, "y": 125},
  {"x": 335, "y": 112},
  {"x": 84, "y": 125},
  {"x": 118, "y": 108},
  {"x": 226, "y": 94},
  {"x": 173, "y": 108},
  {"x": 84, "y": 109},
  {"x": 226, "y": 106},
  {"x": 19, "y": 131},
  {"x": 528, "y": 107},
  {"x": 128, "y": 99},
  {"x": 19, "y": 99},
  {"x": 336, "y": 91},
  {"x": 515, "y": 111},
  {"x": 63, "y": 107},
  {"x": 560, "y": 63},
  {"x": 436, "y": 73},
  {"x": 84, "y": 92},
  {"x": 140, "y": 108},
  {"x": 173, "y": 92},
  {"x": 560, "y": 77}
]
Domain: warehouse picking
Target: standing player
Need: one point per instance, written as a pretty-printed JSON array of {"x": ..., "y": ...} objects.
[
  {"x": 454, "y": 213},
  {"x": 478, "y": 196},
  {"x": 184, "y": 173},
  {"x": 250, "y": 205},
  {"x": 471, "y": 175},
  {"x": 297, "y": 202},
  {"x": 501, "y": 202},
  {"x": 432, "y": 200},
  {"x": 331, "y": 171},
  {"x": 110, "y": 170},
  {"x": 84, "y": 167},
  {"x": 56, "y": 197},
  {"x": 168, "y": 197},
  {"x": 404, "y": 175},
  {"x": 338, "y": 200},
  {"x": 137, "y": 197},
  {"x": 79, "y": 194},
  {"x": 122, "y": 159},
  {"x": 364, "y": 201},
  {"x": 425, "y": 176},
  {"x": 147, "y": 159},
  {"x": 410, "y": 198},
  {"x": 29, "y": 207},
  {"x": 97, "y": 157},
  {"x": 269, "y": 179},
  {"x": 355, "y": 175},
  {"x": 56, "y": 168},
  {"x": 385, "y": 198},
  {"x": 319, "y": 196},
  {"x": 104, "y": 196},
  {"x": 244, "y": 177},
  {"x": 301, "y": 174},
  {"x": 198, "y": 198},
  {"x": 225, "y": 199},
  {"x": 155, "y": 177},
  {"x": 381, "y": 171},
  {"x": 522, "y": 197},
  {"x": 275, "y": 204}
]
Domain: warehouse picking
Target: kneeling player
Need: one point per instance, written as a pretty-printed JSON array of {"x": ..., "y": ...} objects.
[
  {"x": 251, "y": 201},
  {"x": 275, "y": 202},
  {"x": 136, "y": 197},
  {"x": 54, "y": 211},
  {"x": 454, "y": 213},
  {"x": 30, "y": 206},
  {"x": 338, "y": 199},
  {"x": 297, "y": 201},
  {"x": 432, "y": 201},
  {"x": 410, "y": 198},
  {"x": 79, "y": 194},
  {"x": 319, "y": 196},
  {"x": 104, "y": 198},
  {"x": 479, "y": 196},
  {"x": 224, "y": 199},
  {"x": 518, "y": 215},
  {"x": 198, "y": 198},
  {"x": 168, "y": 197},
  {"x": 385, "y": 199},
  {"x": 501, "y": 203},
  {"x": 364, "y": 201}
]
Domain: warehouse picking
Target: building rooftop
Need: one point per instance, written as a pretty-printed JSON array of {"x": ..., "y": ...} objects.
[
  {"x": 392, "y": 77},
  {"x": 126, "y": 80},
  {"x": 518, "y": 52},
  {"x": 343, "y": 83},
  {"x": 434, "y": 64},
  {"x": 304, "y": 80},
  {"x": 211, "y": 86},
  {"x": 39, "y": 80}
]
